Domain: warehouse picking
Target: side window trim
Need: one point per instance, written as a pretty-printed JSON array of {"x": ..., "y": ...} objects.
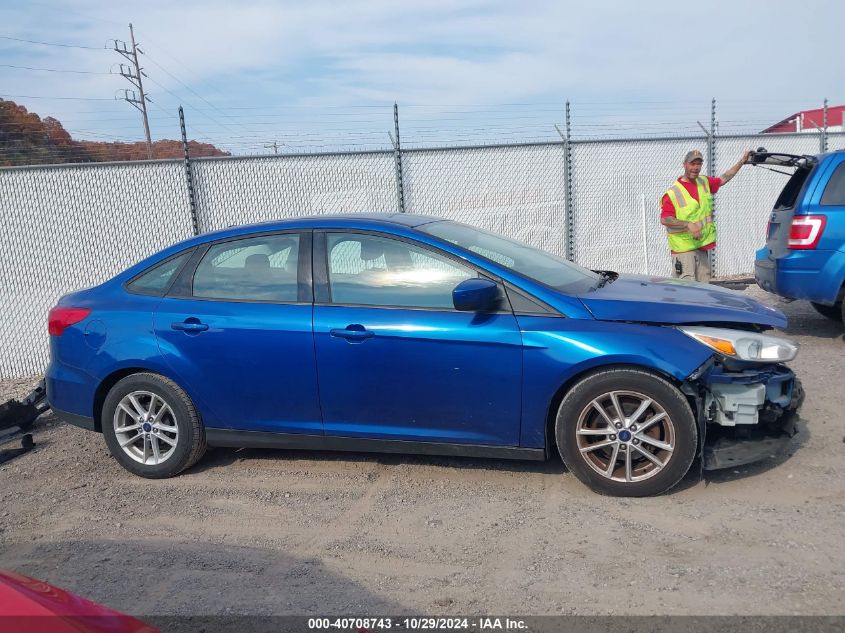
[
  {"x": 320, "y": 267},
  {"x": 183, "y": 285},
  {"x": 304, "y": 268},
  {"x": 543, "y": 309}
]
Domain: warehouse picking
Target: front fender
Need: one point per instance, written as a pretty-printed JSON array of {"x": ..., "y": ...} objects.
[{"x": 557, "y": 351}]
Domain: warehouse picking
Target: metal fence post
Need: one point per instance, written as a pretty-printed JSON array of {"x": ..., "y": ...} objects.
[
  {"x": 711, "y": 141},
  {"x": 711, "y": 170},
  {"x": 397, "y": 161},
  {"x": 569, "y": 246},
  {"x": 188, "y": 175},
  {"x": 824, "y": 129}
]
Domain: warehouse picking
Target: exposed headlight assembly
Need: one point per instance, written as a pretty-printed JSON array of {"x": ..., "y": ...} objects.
[{"x": 743, "y": 345}]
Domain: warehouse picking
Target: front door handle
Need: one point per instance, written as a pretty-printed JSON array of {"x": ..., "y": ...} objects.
[
  {"x": 353, "y": 332},
  {"x": 190, "y": 326}
]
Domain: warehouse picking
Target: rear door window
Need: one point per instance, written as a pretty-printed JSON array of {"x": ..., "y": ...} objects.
[
  {"x": 261, "y": 268},
  {"x": 834, "y": 192}
]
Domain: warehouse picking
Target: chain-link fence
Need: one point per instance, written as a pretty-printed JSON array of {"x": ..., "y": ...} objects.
[
  {"x": 518, "y": 191},
  {"x": 245, "y": 190},
  {"x": 68, "y": 227}
]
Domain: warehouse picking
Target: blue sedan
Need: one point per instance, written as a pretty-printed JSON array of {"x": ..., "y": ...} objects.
[{"x": 413, "y": 334}]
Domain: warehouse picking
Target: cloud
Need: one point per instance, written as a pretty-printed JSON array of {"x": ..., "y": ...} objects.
[{"x": 271, "y": 54}]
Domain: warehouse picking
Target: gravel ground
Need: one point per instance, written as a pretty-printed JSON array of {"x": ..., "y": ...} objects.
[{"x": 279, "y": 532}]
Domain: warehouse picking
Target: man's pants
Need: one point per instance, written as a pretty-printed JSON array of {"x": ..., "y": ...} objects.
[{"x": 692, "y": 265}]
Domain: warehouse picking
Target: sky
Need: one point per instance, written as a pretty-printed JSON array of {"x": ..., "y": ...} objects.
[{"x": 262, "y": 77}]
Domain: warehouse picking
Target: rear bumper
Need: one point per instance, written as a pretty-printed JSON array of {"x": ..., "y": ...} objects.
[
  {"x": 764, "y": 272},
  {"x": 70, "y": 389},
  {"x": 815, "y": 275},
  {"x": 82, "y": 421}
]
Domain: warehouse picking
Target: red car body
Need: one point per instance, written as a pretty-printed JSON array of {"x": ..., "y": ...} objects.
[{"x": 33, "y": 606}]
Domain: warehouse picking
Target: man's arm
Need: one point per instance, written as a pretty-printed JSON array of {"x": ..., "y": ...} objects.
[
  {"x": 670, "y": 221},
  {"x": 733, "y": 170},
  {"x": 674, "y": 223}
]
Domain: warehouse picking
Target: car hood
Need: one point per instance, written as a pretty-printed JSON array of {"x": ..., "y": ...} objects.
[{"x": 659, "y": 300}]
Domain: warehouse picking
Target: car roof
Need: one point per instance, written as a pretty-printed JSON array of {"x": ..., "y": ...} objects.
[
  {"x": 402, "y": 219},
  {"x": 337, "y": 220}
]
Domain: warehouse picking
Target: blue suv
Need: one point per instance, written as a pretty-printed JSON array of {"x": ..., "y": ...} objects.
[{"x": 804, "y": 256}]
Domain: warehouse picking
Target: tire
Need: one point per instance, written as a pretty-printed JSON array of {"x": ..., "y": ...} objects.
[
  {"x": 665, "y": 428},
  {"x": 834, "y": 312},
  {"x": 172, "y": 437}
]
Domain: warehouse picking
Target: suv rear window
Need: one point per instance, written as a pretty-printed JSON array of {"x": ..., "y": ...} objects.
[
  {"x": 834, "y": 192},
  {"x": 787, "y": 197}
]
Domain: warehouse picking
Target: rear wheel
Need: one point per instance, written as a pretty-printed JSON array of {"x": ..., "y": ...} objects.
[
  {"x": 626, "y": 432},
  {"x": 834, "y": 312},
  {"x": 151, "y": 426}
]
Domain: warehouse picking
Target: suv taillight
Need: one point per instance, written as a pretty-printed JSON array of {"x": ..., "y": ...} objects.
[
  {"x": 806, "y": 231},
  {"x": 62, "y": 318}
]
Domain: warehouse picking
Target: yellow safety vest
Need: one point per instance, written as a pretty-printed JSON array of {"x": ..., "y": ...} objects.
[{"x": 689, "y": 209}]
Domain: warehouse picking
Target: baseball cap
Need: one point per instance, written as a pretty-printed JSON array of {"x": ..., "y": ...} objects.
[{"x": 693, "y": 155}]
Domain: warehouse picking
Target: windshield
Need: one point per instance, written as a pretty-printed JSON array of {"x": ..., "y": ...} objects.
[{"x": 548, "y": 269}]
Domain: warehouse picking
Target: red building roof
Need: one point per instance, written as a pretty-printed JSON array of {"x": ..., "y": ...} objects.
[{"x": 807, "y": 120}]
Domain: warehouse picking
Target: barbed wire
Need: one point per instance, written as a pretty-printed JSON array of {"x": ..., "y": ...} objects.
[{"x": 308, "y": 128}]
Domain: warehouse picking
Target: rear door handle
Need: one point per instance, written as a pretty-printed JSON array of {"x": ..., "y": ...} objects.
[
  {"x": 189, "y": 326},
  {"x": 352, "y": 333}
]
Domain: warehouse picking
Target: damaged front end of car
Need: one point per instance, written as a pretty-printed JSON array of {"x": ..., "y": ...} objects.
[{"x": 747, "y": 399}]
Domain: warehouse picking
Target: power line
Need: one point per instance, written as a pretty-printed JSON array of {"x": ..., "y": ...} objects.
[
  {"x": 62, "y": 98},
  {"x": 54, "y": 70},
  {"x": 65, "y": 9},
  {"x": 172, "y": 116},
  {"x": 17, "y": 39},
  {"x": 180, "y": 99},
  {"x": 171, "y": 75}
]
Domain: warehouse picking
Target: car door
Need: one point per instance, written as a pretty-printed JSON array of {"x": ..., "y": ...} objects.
[
  {"x": 396, "y": 360},
  {"x": 236, "y": 329}
]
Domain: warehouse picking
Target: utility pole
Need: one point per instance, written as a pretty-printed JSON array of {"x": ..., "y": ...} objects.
[
  {"x": 274, "y": 145},
  {"x": 139, "y": 102}
]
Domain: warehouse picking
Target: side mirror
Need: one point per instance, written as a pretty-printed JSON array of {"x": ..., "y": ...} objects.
[{"x": 475, "y": 295}]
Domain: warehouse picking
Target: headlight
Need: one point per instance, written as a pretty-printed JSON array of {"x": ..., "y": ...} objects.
[{"x": 743, "y": 345}]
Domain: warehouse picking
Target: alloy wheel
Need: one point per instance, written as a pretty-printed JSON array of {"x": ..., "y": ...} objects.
[
  {"x": 145, "y": 428},
  {"x": 625, "y": 436}
]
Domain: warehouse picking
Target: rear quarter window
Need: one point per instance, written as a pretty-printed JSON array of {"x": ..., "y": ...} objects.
[
  {"x": 155, "y": 280},
  {"x": 834, "y": 191}
]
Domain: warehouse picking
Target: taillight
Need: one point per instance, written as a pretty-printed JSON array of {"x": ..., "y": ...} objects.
[
  {"x": 806, "y": 231},
  {"x": 62, "y": 318}
]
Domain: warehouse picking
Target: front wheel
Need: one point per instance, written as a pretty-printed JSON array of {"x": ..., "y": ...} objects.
[
  {"x": 626, "y": 432},
  {"x": 834, "y": 312},
  {"x": 151, "y": 426}
]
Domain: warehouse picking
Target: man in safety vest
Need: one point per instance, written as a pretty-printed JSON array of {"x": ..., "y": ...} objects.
[{"x": 687, "y": 214}]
